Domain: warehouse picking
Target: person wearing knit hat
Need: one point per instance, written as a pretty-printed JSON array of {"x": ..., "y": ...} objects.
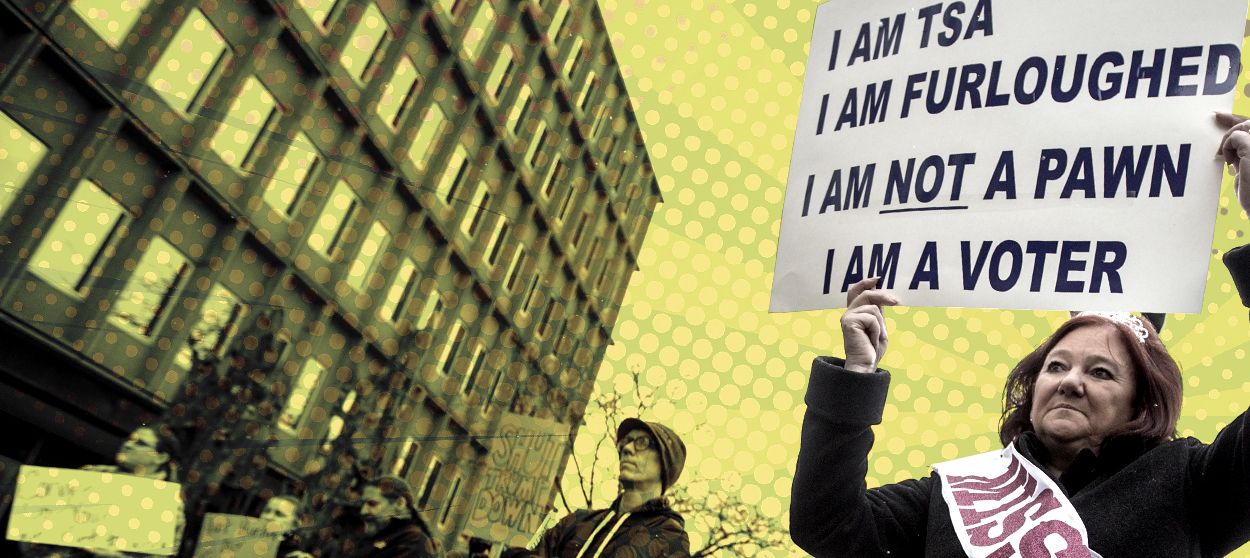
[{"x": 640, "y": 522}]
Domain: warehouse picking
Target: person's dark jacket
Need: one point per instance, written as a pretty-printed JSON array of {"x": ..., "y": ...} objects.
[
  {"x": 1181, "y": 498},
  {"x": 399, "y": 538},
  {"x": 653, "y": 530}
]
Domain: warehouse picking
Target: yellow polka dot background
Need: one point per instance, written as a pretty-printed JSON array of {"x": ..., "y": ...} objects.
[{"x": 716, "y": 86}]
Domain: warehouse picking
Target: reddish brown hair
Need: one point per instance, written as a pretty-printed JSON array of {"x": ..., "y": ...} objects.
[{"x": 1156, "y": 404}]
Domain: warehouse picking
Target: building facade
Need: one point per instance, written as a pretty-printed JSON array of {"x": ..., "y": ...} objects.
[{"x": 433, "y": 207}]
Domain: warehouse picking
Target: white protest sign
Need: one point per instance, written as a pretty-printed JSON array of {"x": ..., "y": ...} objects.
[
  {"x": 516, "y": 479},
  {"x": 1037, "y": 155},
  {"x": 92, "y": 509},
  {"x": 237, "y": 536}
]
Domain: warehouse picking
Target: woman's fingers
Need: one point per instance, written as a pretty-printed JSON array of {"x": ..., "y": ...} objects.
[
  {"x": 1236, "y": 151},
  {"x": 1229, "y": 120},
  {"x": 858, "y": 288},
  {"x": 1233, "y": 124},
  {"x": 876, "y": 297}
]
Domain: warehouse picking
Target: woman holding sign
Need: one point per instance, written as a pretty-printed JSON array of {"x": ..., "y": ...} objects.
[
  {"x": 148, "y": 452},
  {"x": 1091, "y": 464}
]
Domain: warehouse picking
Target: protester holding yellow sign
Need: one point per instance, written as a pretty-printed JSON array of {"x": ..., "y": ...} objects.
[{"x": 133, "y": 508}]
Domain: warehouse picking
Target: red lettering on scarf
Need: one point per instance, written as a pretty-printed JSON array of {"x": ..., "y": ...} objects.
[
  {"x": 975, "y": 482},
  {"x": 1033, "y": 543},
  {"x": 1044, "y": 503},
  {"x": 967, "y": 496}
]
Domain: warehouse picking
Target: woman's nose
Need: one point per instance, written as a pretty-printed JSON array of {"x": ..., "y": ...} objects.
[{"x": 1073, "y": 382}]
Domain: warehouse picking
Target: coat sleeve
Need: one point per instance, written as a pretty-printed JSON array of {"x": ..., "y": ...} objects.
[
  {"x": 1220, "y": 473},
  {"x": 832, "y": 513}
]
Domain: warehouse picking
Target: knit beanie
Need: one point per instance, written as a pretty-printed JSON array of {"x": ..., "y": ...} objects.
[{"x": 672, "y": 449}]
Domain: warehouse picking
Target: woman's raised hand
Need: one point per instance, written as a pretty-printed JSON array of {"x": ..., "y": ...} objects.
[
  {"x": 1235, "y": 150},
  {"x": 863, "y": 325}
]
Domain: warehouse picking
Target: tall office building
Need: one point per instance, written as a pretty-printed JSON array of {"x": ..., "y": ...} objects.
[{"x": 436, "y": 206}]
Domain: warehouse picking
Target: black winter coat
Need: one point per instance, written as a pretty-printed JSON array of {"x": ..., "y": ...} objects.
[{"x": 1182, "y": 498}]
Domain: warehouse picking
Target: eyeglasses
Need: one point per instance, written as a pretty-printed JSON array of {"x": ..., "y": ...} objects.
[{"x": 640, "y": 443}]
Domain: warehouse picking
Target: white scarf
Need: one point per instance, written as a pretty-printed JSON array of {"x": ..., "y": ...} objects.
[{"x": 1003, "y": 506}]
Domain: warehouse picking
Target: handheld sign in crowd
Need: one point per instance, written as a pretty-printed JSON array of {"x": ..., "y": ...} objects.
[
  {"x": 519, "y": 473},
  {"x": 1035, "y": 155},
  {"x": 95, "y": 510},
  {"x": 237, "y": 536}
]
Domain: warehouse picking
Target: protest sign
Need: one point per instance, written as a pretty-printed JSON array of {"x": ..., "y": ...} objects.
[
  {"x": 517, "y": 479},
  {"x": 95, "y": 510},
  {"x": 237, "y": 536},
  {"x": 1036, "y": 155}
]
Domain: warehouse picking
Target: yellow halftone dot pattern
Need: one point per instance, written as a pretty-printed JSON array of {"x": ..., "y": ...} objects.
[{"x": 716, "y": 86}]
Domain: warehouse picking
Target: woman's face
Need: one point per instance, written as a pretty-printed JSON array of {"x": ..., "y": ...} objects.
[
  {"x": 1085, "y": 389},
  {"x": 139, "y": 451}
]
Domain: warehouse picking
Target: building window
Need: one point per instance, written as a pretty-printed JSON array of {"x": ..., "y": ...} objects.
[
  {"x": 593, "y": 254},
  {"x": 531, "y": 295},
  {"x": 544, "y": 323},
  {"x": 403, "y": 459},
  {"x": 554, "y": 174},
  {"x": 318, "y": 10},
  {"x": 74, "y": 245},
  {"x": 110, "y": 19},
  {"x": 289, "y": 178},
  {"x": 452, "y": 7},
  {"x": 455, "y": 338},
  {"x": 400, "y": 292},
  {"x": 494, "y": 389},
  {"x": 249, "y": 113},
  {"x": 557, "y": 19},
  {"x": 478, "y": 31},
  {"x": 432, "y": 128},
  {"x": 581, "y": 229},
  {"x": 300, "y": 393},
  {"x": 497, "y": 79},
  {"x": 536, "y": 144},
  {"x": 431, "y": 480},
  {"x": 453, "y": 175},
  {"x": 451, "y": 501},
  {"x": 514, "y": 268},
  {"x": 477, "y": 208},
  {"x": 495, "y": 240},
  {"x": 566, "y": 205},
  {"x": 184, "y": 71},
  {"x": 147, "y": 293},
  {"x": 327, "y": 231},
  {"x": 517, "y": 114},
  {"x": 362, "y": 50},
  {"x": 587, "y": 86},
  {"x": 575, "y": 56},
  {"x": 397, "y": 92},
  {"x": 432, "y": 311},
  {"x": 603, "y": 275},
  {"x": 370, "y": 254},
  {"x": 476, "y": 360},
  {"x": 335, "y": 428},
  {"x": 220, "y": 312},
  {"x": 20, "y": 155},
  {"x": 333, "y": 431}
]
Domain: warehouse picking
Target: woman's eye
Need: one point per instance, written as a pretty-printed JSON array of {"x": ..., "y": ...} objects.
[
  {"x": 1101, "y": 373},
  {"x": 1054, "y": 367}
]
